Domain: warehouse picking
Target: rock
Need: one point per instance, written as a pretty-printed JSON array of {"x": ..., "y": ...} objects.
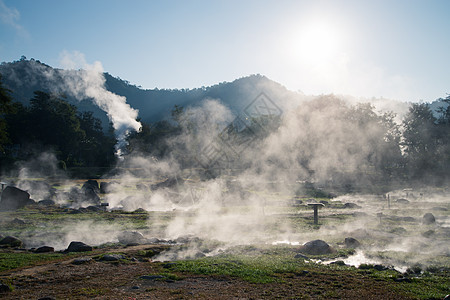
[
  {"x": 81, "y": 260},
  {"x": 428, "y": 219},
  {"x": 78, "y": 247},
  {"x": 324, "y": 202},
  {"x": 91, "y": 196},
  {"x": 316, "y": 247},
  {"x": 90, "y": 190},
  {"x": 131, "y": 238},
  {"x": 351, "y": 242},
  {"x": 380, "y": 267},
  {"x": 46, "y": 202},
  {"x": 91, "y": 184},
  {"x": 4, "y": 288},
  {"x": 11, "y": 241},
  {"x": 44, "y": 249},
  {"x": 351, "y": 205},
  {"x": 402, "y": 201},
  {"x": 104, "y": 187},
  {"x": 112, "y": 257},
  {"x": 338, "y": 263},
  {"x": 13, "y": 198},
  {"x": 298, "y": 255}
]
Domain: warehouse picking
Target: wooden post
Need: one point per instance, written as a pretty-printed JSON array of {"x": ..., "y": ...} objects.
[{"x": 316, "y": 211}]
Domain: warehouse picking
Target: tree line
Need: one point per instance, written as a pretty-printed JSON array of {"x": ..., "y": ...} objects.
[
  {"x": 50, "y": 123},
  {"x": 332, "y": 138}
]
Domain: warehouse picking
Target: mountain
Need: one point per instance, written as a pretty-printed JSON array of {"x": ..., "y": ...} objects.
[{"x": 23, "y": 77}]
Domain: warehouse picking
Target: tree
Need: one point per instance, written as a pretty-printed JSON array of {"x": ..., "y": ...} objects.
[
  {"x": 6, "y": 107},
  {"x": 420, "y": 141},
  {"x": 50, "y": 123}
]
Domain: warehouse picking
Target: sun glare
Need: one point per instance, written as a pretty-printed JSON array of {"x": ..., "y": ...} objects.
[{"x": 316, "y": 43}]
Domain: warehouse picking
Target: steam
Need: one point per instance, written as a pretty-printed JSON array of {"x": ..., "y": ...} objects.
[
  {"x": 242, "y": 191},
  {"x": 89, "y": 82}
]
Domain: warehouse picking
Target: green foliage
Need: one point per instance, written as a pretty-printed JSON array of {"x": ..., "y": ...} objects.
[
  {"x": 6, "y": 107},
  {"x": 9, "y": 261},
  {"x": 260, "y": 268},
  {"x": 51, "y": 123}
]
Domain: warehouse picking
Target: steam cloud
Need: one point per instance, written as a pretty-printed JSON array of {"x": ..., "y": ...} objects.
[
  {"x": 89, "y": 82},
  {"x": 314, "y": 141}
]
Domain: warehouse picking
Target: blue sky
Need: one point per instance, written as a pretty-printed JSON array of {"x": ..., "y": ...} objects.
[{"x": 393, "y": 49}]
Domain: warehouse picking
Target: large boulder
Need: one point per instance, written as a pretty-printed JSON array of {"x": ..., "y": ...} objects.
[
  {"x": 428, "y": 219},
  {"x": 131, "y": 238},
  {"x": 44, "y": 249},
  {"x": 316, "y": 247},
  {"x": 351, "y": 242},
  {"x": 78, "y": 247},
  {"x": 90, "y": 195},
  {"x": 11, "y": 241},
  {"x": 14, "y": 198},
  {"x": 91, "y": 184}
]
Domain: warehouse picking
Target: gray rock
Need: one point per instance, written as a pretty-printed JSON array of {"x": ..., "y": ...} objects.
[
  {"x": 402, "y": 201},
  {"x": 13, "y": 198},
  {"x": 131, "y": 238},
  {"x": 91, "y": 184},
  {"x": 44, "y": 249},
  {"x": 11, "y": 241},
  {"x": 298, "y": 255},
  {"x": 316, "y": 247},
  {"x": 112, "y": 257},
  {"x": 351, "y": 242},
  {"x": 78, "y": 247},
  {"x": 46, "y": 202},
  {"x": 81, "y": 260},
  {"x": 428, "y": 219},
  {"x": 91, "y": 196},
  {"x": 338, "y": 263}
]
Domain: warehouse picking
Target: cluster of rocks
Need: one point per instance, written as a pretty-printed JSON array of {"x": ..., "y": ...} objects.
[{"x": 13, "y": 198}]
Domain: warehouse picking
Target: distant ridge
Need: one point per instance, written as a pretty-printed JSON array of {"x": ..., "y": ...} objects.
[{"x": 23, "y": 77}]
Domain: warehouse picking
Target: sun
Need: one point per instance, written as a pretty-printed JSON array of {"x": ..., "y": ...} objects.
[{"x": 316, "y": 42}]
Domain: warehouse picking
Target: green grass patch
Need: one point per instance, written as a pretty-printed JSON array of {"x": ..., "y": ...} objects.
[
  {"x": 259, "y": 268},
  {"x": 9, "y": 261}
]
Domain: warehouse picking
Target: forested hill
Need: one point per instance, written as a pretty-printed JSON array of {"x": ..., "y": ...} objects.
[{"x": 23, "y": 77}]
